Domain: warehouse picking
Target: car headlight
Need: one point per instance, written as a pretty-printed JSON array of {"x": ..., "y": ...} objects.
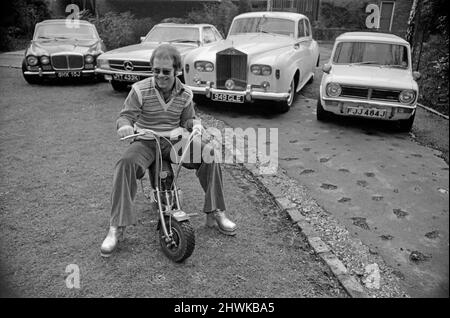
[
  {"x": 334, "y": 89},
  {"x": 102, "y": 63},
  {"x": 45, "y": 59},
  {"x": 407, "y": 96},
  {"x": 89, "y": 59},
  {"x": 32, "y": 60},
  {"x": 258, "y": 69},
  {"x": 204, "y": 66}
]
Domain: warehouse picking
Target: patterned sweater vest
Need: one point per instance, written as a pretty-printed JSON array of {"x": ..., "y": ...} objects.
[{"x": 146, "y": 108}]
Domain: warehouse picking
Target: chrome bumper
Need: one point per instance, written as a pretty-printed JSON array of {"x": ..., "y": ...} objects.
[
  {"x": 249, "y": 93},
  {"x": 392, "y": 114},
  {"x": 110, "y": 72},
  {"x": 41, "y": 73}
]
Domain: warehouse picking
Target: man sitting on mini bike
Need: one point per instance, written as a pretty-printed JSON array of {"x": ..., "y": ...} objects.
[{"x": 160, "y": 103}]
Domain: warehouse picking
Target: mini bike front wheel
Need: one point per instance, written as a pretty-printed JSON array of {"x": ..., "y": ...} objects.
[{"x": 182, "y": 243}]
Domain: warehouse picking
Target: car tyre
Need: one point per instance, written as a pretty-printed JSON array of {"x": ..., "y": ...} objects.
[
  {"x": 119, "y": 86},
  {"x": 321, "y": 113},
  {"x": 285, "y": 105},
  {"x": 405, "y": 125}
]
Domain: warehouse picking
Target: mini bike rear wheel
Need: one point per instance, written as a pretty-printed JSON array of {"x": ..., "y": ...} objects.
[{"x": 183, "y": 240}]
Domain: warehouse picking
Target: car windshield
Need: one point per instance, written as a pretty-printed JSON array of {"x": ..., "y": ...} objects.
[
  {"x": 173, "y": 34},
  {"x": 263, "y": 24},
  {"x": 63, "y": 31},
  {"x": 371, "y": 53}
]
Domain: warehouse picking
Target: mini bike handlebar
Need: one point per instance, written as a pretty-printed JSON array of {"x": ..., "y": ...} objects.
[{"x": 196, "y": 131}]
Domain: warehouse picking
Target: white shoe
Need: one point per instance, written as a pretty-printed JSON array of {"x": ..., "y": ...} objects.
[
  {"x": 225, "y": 225},
  {"x": 115, "y": 235}
]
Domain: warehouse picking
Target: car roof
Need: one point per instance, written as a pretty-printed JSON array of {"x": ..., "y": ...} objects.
[
  {"x": 59, "y": 21},
  {"x": 188, "y": 25},
  {"x": 272, "y": 14},
  {"x": 371, "y": 36}
]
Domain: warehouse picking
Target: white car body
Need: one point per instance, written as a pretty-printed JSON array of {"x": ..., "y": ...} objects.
[
  {"x": 369, "y": 90},
  {"x": 290, "y": 53},
  {"x": 129, "y": 64}
]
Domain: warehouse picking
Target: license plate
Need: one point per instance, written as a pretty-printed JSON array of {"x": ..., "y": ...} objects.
[
  {"x": 231, "y": 98},
  {"x": 366, "y": 112},
  {"x": 69, "y": 74},
  {"x": 126, "y": 77}
]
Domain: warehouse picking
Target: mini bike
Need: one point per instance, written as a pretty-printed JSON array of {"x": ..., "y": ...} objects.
[{"x": 176, "y": 235}]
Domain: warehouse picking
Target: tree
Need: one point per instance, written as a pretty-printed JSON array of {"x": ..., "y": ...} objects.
[
  {"x": 226, "y": 12},
  {"x": 244, "y": 6},
  {"x": 411, "y": 22}
]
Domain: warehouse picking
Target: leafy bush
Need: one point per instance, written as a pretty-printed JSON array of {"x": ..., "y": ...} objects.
[
  {"x": 206, "y": 15},
  {"x": 18, "y": 21},
  {"x": 434, "y": 69},
  {"x": 119, "y": 29},
  {"x": 221, "y": 15},
  {"x": 335, "y": 16},
  {"x": 335, "y": 20},
  {"x": 174, "y": 20},
  {"x": 245, "y": 6},
  {"x": 116, "y": 29},
  {"x": 434, "y": 55},
  {"x": 329, "y": 34},
  {"x": 142, "y": 27}
]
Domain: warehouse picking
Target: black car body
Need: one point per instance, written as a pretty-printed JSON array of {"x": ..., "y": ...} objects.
[{"x": 62, "y": 49}]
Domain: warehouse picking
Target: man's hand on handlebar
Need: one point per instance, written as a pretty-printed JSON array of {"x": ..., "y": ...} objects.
[
  {"x": 125, "y": 131},
  {"x": 198, "y": 128}
]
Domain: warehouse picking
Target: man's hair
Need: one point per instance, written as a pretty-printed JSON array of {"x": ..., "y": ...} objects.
[{"x": 167, "y": 51}]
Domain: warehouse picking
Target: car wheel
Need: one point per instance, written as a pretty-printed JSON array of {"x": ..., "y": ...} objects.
[
  {"x": 285, "y": 105},
  {"x": 31, "y": 79},
  {"x": 322, "y": 114},
  {"x": 119, "y": 86},
  {"x": 405, "y": 125}
]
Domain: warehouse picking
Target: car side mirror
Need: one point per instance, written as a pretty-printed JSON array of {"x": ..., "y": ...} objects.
[
  {"x": 142, "y": 38},
  {"x": 326, "y": 68},
  {"x": 417, "y": 75}
]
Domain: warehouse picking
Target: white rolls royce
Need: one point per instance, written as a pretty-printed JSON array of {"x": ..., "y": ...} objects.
[{"x": 266, "y": 56}]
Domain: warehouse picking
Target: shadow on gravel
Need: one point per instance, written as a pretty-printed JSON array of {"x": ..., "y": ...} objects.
[
  {"x": 68, "y": 82},
  {"x": 266, "y": 110},
  {"x": 373, "y": 126}
]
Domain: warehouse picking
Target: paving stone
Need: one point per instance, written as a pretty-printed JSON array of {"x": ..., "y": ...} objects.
[
  {"x": 318, "y": 245},
  {"x": 284, "y": 203},
  {"x": 352, "y": 286},
  {"x": 295, "y": 215},
  {"x": 306, "y": 228},
  {"x": 275, "y": 190},
  {"x": 336, "y": 266}
]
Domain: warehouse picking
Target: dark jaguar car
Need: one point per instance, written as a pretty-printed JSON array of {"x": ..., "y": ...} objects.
[{"x": 61, "y": 49}]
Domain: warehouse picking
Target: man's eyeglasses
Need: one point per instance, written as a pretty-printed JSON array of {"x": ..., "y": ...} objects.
[{"x": 163, "y": 71}]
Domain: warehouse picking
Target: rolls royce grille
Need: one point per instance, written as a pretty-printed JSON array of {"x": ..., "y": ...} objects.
[
  {"x": 67, "y": 62},
  {"x": 370, "y": 93},
  {"x": 231, "y": 64},
  {"x": 131, "y": 66}
]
